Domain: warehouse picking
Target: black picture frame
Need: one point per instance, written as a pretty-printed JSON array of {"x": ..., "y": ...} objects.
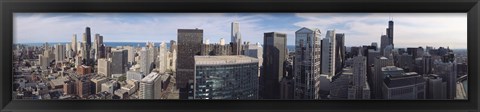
[{"x": 8, "y": 7}]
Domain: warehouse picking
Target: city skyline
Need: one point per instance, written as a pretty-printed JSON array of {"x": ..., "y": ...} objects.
[
  {"x": 319, "y": 67},
  {"x": 412, "y": 29}
]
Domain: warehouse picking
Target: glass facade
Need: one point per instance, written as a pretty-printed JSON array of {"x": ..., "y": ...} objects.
[{"x": 235, "y": 81}]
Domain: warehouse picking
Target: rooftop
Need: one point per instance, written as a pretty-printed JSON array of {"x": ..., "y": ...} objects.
[
  {"x": 403, "y": 80},
  {"x": 59, "y": 81},
  {"x": 224, "y": 60},
  {"x": 150, "y": 77},
  {"x": 98, "y": 78},
  {"x": 391, "y": 68}
]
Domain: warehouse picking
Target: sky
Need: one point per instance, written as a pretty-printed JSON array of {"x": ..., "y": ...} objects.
[{"x": 410, "y": 29}]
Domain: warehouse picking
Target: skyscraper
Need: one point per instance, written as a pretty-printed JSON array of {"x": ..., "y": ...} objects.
[
  {"x": 150, "y": 86},
  {"x": 447, "y": 70},
  {"x": 378, "y": 75},
  {"x": 236, "y": 39},
  {"x": 144, "y": 61},
  {"x": 131, "y": 54},
  {"x": 306, "y": 63},
  {"x": 97, "y": 44},
  {"x": 119, "y": 61},
  {"x": 162, "y": 58},
  {"x": 435, "y": 87},
  {"x": 390, "y": 33},
  {"x": 427, "y": 63},
  {"x": 152, "y": 53},
  {"x": 274, "y": 57},
  {"x": 404, "y": 86},
  {"x": 74, "y": 44},
  {"x": 339, "y": 52},
  {"x": 226, "y": 77},
  {"x": 256, "y": 51},
  {"x": 384, "y": 42},
  {"x": 359, "y": 76},
  {"x": 59, "y": 53},
  {"x": 328, "y": 54},
  {"x": 189, "y": 45},
  {"x": 104, "y": 67},
  {"x": 87, "y": 46},
  {"x": 68, "y": 51}
]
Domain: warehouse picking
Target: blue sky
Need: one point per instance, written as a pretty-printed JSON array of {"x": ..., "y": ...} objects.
[{"x": 411, "y": 29}]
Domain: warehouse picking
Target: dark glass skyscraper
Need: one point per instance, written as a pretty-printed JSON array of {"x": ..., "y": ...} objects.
[
  {"x": 226, "y": 77},
  {"x": 189, "y": 45},
  {"x": 390, "y": 32},
  {"x": 274, "y": 56},
  {"x": 340, "y": 52},
  {"x": 87, "y": 39}
]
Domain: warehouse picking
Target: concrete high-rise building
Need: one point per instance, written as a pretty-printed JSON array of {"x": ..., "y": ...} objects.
[
  {"x": 236, "y": 39},
  {"x": 78, "y": 61},
  {"x": 144, "y": 62},
  {"x": 427, "y": 63},
  {"x": 216, "y": 49},
  {"x": 435, "y": 87},
  {"x": 287, "y": 83},
  {"x": 152, "y": 53},
  {"x": 69, "y": 88},
  {"x": 162, "y": 58},
  {"x": 68, "y": 51},
  {"x": 306, "y": 63},
  {"x": 97, "y": 82},
  {"x": 447, "y": 70},
  {"x": 102, "y": 51},
  {"x": 74, "y": 44},
  {"x": 119, "y": 61},
  {"x": 59, "y": 53},
  {"x": 131, "y": 55},
  {"x": 405, "y": 61},
  {"x": 84, "y": 70},
  {"x": 274, "y": 56},
  {"x": 384, "y": 42},
  {"x": 104, "y": 67},
  {"x": 84, "y": 87},
  {"x": 378, "y": 76},
  {"x": 371, "y": 56},
  {"x": 173, "y": 61},
  {"x": 328, "y": 54},
  {"x": 43, "y": 61},
  {"x": 225, "y": 77},
  {"x": 150, "y": 86},
  {"x": 359, "y": 77},
  {"x": 98, "y": 42},
  {"x": 408, "y": 86},
  {"x": 341, "y": 83},
  {"x": 189, "y": 45},
  {"x": 256, "y": 51}
]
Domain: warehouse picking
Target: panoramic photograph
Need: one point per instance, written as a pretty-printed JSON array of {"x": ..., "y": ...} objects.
[{"x": 240, "y": 56}]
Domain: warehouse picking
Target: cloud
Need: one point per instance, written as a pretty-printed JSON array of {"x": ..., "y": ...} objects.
[
  {"x": 143, "y": 27},
  {"x": 410, "y": 29}
]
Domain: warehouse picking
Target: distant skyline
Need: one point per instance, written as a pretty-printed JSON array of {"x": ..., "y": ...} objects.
[{"x": 410, "y": 29}]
